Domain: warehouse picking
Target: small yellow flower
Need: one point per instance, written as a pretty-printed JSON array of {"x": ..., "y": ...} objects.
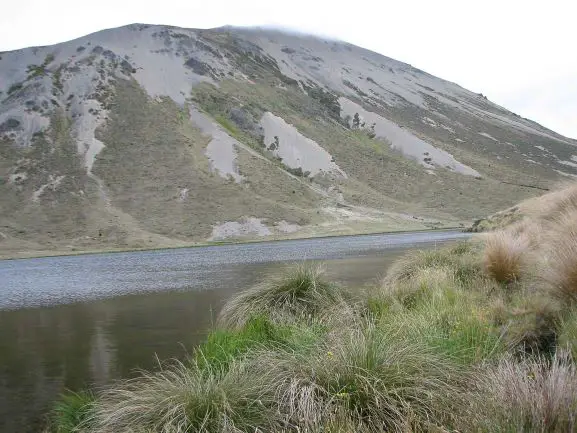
[{"x": 330, "y": 354}]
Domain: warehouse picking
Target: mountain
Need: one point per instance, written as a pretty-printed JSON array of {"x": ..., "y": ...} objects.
[{"x": 151, "y": 136}]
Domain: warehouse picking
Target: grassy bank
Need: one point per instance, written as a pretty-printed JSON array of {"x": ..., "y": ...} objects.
[{"x": 478, "y": 336}]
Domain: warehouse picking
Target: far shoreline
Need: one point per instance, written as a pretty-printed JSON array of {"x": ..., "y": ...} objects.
[{"x": 56, "y": 253}]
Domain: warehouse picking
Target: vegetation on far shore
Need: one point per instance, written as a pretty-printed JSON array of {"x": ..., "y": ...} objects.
[{"x": 478, "y": 336}]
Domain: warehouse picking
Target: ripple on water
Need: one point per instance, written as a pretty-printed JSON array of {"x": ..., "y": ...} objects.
[{"x": 54, "y": 280}]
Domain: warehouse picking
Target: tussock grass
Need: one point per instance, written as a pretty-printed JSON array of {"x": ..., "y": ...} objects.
[
  {"x": 184, "y": 398},
  {"x": 379, "y": 378},
  {"x": 549, "y": 206},
  {"x": 528, "y": 230},
  {"x": 423, "y": 284},
  {"x": 532, "y": 395},
  {"x": 505, "y": 256},
  {"x": 298, "y": 293},
  {"x": 73, "y": 412},
  {"x": 461, "y": 259},
  {"x": 368, "y": 378},
  {"x": 451, "y": 320},
  {"x": 223, "y": 346},
  {"x": 461, "y": 338},
  {"x": 567, "y": 339},
  {"x": 537, "y": 210},
  {"x": 532, "y": 326},
  {"x": 561, "y": 264}
]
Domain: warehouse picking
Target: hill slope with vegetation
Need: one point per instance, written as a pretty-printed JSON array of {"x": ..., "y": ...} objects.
[
  {"x": 149, "y": 136},
  {"x": 479, "y": 336}
]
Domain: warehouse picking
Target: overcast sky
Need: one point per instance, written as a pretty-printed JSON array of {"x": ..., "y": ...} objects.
[{"x": 520, "y": 54}]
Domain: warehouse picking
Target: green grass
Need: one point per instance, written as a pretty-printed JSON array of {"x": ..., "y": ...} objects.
[
  {"x": 461, "y": 259},
  {"x": 568, "y": 333},
  {"x": 71, "y": 412},
  {"x": 14, "y": 88},
  {"x": 225, "y": 345},
  {"x": 228, "y": 125},
  {"x": 437, "y": 304}
]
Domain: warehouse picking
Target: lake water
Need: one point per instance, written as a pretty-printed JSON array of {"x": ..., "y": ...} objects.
[{"x": 82, "y": 321}]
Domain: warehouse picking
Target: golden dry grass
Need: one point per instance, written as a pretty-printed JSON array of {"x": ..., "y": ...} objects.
[
  {"x": 561, "y": 260},
  {"x": 550, "y": 205},
  {"x": 505, "y": 256},
  {"x": 533, "y": 395}
]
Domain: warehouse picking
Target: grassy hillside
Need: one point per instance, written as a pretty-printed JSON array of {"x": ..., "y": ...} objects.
[
  {"x": 154, "y": 136},
  {"x": 169, "y": 153},
  {"x": 379, "y": 177},
  {"x": 479, "y": 336}
]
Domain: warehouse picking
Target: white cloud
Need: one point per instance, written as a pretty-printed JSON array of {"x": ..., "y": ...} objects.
[{"x": 518, "y": 53}]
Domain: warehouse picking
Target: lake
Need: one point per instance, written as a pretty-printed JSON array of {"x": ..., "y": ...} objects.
[{"x": 82, "y": 321}]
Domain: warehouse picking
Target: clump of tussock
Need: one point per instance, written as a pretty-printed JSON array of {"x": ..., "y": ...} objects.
[
  {"x": 561, "y": 262},
  {"x": 533, "y": 325},
  {"x": 460, "y": 338},
  {"x": 530, "y": 230},
  {"x": 451, "y": 319},
  {"x": 423, "y": 284},
  {"x": 363, "y": 378},
  {"x": 223, "y": 346},
  {"x": 73, "y": 412},
  {"x": 505, "y": 256},
  {"x": 183, "y": 398},
  {"x": 296, "y": 294},
  {"x": 549, "y": 206},
  {"x": 531, "y": 395},
  {"x": 567, "y": 339},
  {"x": 461, "y": 259},
  {"x": 375, "y": 379}
]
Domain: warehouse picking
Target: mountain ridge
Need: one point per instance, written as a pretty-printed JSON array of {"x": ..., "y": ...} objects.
[{"x": 149, "y": 136}]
